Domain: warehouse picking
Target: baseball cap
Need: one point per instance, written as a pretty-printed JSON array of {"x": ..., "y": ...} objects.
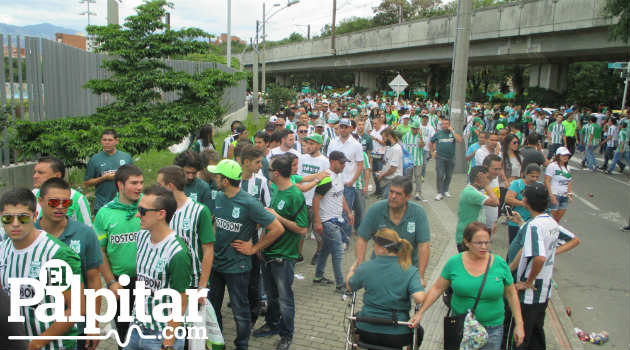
[
  {"x": 315, "y": 138},
  {"x": 338, "y": 155},
  {"x": 313, "y": 115},
  {"x": 563, "y": 151},
  {"x": 273, "y": 119},
  {"x": 319, "y": 124},
  {"x": 228, "y": 168},
  {"x": 344, "y": 121},
  {"x": 333, "y": 118}
]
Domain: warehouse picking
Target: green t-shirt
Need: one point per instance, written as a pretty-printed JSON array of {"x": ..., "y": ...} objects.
[
  {"x": 290, "y": 204},
  {"x": 413, "y": 227},
  {"x": 27, "y": 263},
  {"x": 199, "y": 191},
  {"x": 622, "y": 138},
  {"x": 387, "y": 288},
  {"x": 490, "y": 310},
  {"x": 101, "y": 164},
  {"x": 518, "y": 186},
  {"x": 569, "y": 128},
  {"x": 469, "y": 209},
  {"x": 236, "y": 218},
  {"x": 403, "y": 129},
  {"x": 117, "y": 227},
  {"x": 295, "y": 179},
  {"x": 265, "y": 167},
  {"x": 166, "y": 264},
  {"x": 444, "y": 144}
]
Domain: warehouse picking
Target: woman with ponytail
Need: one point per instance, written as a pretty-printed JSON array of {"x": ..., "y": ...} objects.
[{"x": 390, "y": 282}]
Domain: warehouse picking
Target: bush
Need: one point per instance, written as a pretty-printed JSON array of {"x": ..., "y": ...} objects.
[{"x": 279, "y": 97}]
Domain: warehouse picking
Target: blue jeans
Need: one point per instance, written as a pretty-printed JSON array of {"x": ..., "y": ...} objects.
[
  {"x": 444, "y": 173},
  {"x": 591, "y": 162},
  {"x": 349, "y": 193},
  {"x": 331, "y": 244},
  {"x": 237, "y": 285},
  {"x": 278, "y": 277},
  {"x": 495, "y": 335},
  {"x": 137, "y": 343},
  {"x": 617, "y": 157}
]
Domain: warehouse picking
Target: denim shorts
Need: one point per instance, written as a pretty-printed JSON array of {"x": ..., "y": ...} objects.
[{"x": 563, "y": 203}]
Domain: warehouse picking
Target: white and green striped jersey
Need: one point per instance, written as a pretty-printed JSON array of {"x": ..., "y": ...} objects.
[
  {"x": 360, "y": 183},
  {"x": 622, "y": 138},
  {"x": 556, "y": 131},
  {"x": 26, "y": 263},
  {"x": 412, "y": 145},
  {"x": 433, "y": 120},
  {"x": 193, "y": 223},
  {"x": 166, "y": 264},
  {"x": 78, "y": 211},
  {"x": 539, "y": 236}
]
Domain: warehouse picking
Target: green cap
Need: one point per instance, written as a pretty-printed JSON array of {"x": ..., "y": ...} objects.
[
  {"x": 315, "y": 138},
  {"x": 228, "y": 168},
  {"x": 414, "y": 124}
]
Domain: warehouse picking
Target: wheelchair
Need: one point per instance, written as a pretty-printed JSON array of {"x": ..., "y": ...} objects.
[{"x": 353, "y": 341}]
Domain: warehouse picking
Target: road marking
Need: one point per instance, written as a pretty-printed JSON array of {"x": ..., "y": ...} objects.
[
  {"x": 586, "y": 202},
  {"x": 578, "y": 160}
]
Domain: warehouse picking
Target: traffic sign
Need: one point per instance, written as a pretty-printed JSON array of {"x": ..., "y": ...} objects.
[
  {"x": 617, "y": 65},
  {"x": 398, "y": 84}
]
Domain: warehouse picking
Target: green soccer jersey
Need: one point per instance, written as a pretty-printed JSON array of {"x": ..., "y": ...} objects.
[
  {"x": 412, "y": 145},
  {"x": 78, "y": 211},
  {"x": 236, "y": 218},
  {"x": 360, "y": 183},
  {"x": 199, "y": 191},
  {"x": 622, "y": 141},
  {"x": 26, "y": 263},
  {"x": 166, "y": 264},
  {"x": 101, "y": 164},
  {"x": 117, "y": 227},
  {"x": 557, "y": 133},
  {"x": 290, "y": 204},
  {"x": 193, "y": 223},
  {"x": 469, "y": 209},
  {"x": 444, "y": 144}
]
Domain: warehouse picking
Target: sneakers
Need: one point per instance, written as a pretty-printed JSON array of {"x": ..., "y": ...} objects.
[
  {"x": 314, "y": 258},
  {"x": 447, "y": 194},
  {"x": 322, "y": 280},
  {"x": 439, "y": 197},
  {"x": 284, "y": 344},
  {"x": 417, "y": 197},
  {"x": 626, "y": 228},
  {"x": 345, "y": 247},
  {"x": 300, "y": 259},
  {"x": 342, "y": 290},
  {"x": 265, "y": 331}
]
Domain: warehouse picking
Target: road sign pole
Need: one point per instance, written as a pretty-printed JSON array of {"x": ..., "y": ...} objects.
[{"x": 625, "y": 89}]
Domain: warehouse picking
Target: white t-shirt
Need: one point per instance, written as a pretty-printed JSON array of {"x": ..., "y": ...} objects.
[
  {"x": 481, "y": 154},
  {"x": 331, "y": 204},
  {"x": 560, "y": 178},
  {"x": 312, "y": 165},
  {"x": 278, "y": 151},
  {"x": 427, "y": 134},
  {"x": 492, "y": 213},
  {"x": 394, "y": 158},
  {"x": 353, "y": 151},
  {"x": 378, "y": 148}
]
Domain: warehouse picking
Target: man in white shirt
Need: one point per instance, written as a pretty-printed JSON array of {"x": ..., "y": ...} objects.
[
  {"x": 491, "y": 147},
  {"x": 393, "y": 159},
  {"x": 427, "y": 133},
  {"x": 287, "y": 140},
  {"x": 378, "y": 152},
  {"x": 352, "y": 149}
]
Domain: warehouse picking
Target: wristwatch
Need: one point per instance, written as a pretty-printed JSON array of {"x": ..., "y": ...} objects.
[{"x": 109, "y": 284}]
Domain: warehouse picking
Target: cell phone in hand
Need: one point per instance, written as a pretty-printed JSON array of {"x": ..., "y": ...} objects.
[{"x": 509, "y": 211}]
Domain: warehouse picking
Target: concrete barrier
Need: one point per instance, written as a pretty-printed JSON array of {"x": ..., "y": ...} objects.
[{"x": 16, "y": 175}]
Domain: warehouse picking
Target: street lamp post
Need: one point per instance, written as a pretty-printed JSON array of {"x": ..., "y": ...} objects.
[{"x": 229, "y": 33}]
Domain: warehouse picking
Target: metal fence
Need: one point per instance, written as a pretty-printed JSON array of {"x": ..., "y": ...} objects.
[{"x": 51, "y": 85}]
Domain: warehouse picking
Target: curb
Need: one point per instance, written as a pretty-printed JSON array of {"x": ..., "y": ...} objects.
[{"x": 557, "y": 313}]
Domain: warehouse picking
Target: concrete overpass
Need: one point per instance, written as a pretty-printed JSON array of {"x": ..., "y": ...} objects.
[{"x": 549, "y": 34}]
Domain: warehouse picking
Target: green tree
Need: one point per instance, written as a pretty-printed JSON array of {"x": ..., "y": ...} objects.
[
  {"x": 592, "y": 83},
  {"x": 621, "y": 8},
  {"x": 138, "y": 79}
]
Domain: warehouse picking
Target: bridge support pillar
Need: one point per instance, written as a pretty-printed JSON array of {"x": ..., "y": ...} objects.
[
  {"x": 551, "y": 76},
  {"x": 366, "y": 80}
]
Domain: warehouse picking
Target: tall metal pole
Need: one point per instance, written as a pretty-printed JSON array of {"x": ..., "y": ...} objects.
[
  {"x": 308, "y": 33},
  {"x": 112, "y": 12},
  {"x": 264, "y": 68},
  {"x": 625, "y": 89},
  {"x": 229, "y": 34},
  {"x": 334, "y": 20},
  {"x": 255, "y": 78},
  {"x": 459, "y": 78}
]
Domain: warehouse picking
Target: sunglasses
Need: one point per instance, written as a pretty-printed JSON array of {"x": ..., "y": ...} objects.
[
  {"x": 54, "y": 202},
  {"x": 143, "y": 211},
  {"x": 8, "y": 219},
  {"x": 302, "y": 131}
]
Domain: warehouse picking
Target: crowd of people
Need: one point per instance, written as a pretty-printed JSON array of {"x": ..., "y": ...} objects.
[{"x": 236, "y": 217}]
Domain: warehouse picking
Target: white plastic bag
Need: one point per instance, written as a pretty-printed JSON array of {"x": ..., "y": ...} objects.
[{"x": 214, "y": 340}]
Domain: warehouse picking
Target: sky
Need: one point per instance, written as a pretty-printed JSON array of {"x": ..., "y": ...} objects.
[{"x": 209, "y": 15}]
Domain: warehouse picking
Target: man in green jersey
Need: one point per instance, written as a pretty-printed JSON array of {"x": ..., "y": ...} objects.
[
  {"x": 192, "y": 222},
  {"x": 163, "y": 262},
  {"x": 17, "y": 260},
  {"x": 592, "y": 137},
  {"x": 195, "y": 188},
  {"x": 414, "y": 144},
  {"x": 209, "y": 157},
  {"x": 55, "y": 200},
  {"x": 289, "y": 207},
  {"x": 405, "y": 217},
  {"x": 117, "y": 226},
  {"x": 236, "y": 215},
  {"x": 102, "y": 167},
  {"x": 48, "y": 167}
]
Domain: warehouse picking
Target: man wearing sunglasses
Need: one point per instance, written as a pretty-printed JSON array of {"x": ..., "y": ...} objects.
[
  {"x": 117, "y": 227},
  {"x": 302, "y": 131},
  {"x": 236, "y": 215},
  {"x": 102, "y": 167},
  {"x": 55, "y": 200},
  {"x": 49, "y": 167},
  {"x": 17, "y": 207}
]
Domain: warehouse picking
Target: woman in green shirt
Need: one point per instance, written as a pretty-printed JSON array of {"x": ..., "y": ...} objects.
[
  {"x": 390, "y": 282},
  {"x": 464, "y": 273}
]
